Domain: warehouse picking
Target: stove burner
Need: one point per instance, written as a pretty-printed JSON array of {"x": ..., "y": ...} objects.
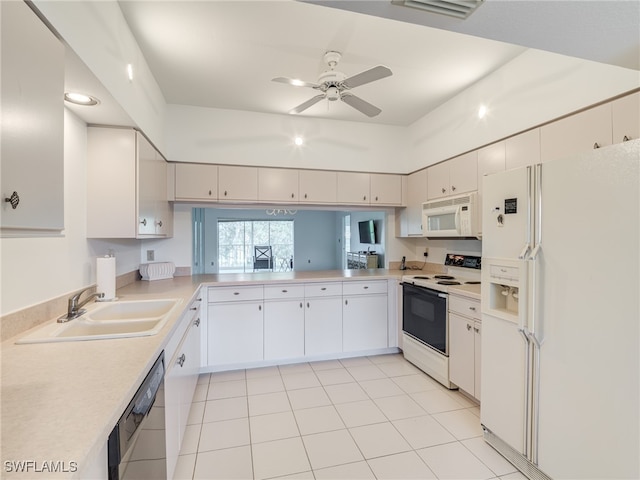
[
  {"x": 421, "y": 277},
  {"x": 472, "y": 283},
  {"x": 448, "y": 282},
  {"x": 444, "y": 277}
]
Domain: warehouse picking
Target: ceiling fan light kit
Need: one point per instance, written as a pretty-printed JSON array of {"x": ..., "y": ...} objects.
[{"x": 334, "y": 86}]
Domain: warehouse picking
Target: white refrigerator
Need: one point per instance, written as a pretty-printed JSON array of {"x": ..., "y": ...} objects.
[{"x": 561, "y": 315}]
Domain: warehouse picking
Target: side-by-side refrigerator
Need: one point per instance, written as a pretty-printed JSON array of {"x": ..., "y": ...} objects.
[{"x": 561, "y": 315}]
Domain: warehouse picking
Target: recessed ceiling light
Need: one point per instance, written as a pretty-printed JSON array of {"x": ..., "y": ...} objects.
[
  {"x": 298, "y": 141},
  {"x": 130, "y": 72},
  {"x": 482, "y": 111},
  {"x": 81, "y": 99}
]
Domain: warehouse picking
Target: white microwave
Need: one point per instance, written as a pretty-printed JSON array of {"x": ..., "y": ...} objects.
[{"x": 451, "y": 217}]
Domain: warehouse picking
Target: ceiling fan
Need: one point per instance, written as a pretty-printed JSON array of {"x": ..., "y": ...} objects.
[{"x": 334, "y": 85}]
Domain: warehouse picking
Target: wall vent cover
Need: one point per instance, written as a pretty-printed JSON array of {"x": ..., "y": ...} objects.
[{"x": 452, "y": 8}]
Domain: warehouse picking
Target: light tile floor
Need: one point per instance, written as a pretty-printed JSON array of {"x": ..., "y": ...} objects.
[{"x": 358, "y": 418}]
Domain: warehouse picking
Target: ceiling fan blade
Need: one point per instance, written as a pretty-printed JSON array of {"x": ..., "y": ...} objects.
[
  {"x": 307, "y": 104},
  {"x": 371, "y": 75},
  {"x": 295, "y": 82},
  {"x": 360, "y": 105}
]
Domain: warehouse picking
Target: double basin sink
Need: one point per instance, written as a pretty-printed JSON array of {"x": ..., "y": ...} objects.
[{"x": 120, "y": 319}]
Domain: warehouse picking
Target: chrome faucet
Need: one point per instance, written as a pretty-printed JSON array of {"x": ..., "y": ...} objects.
[{"x": 74, "y": 309}]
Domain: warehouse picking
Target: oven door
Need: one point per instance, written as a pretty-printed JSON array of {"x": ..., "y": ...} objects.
[{"x": 424, "y": 316}]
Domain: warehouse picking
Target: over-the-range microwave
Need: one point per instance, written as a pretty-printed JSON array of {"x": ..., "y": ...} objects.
[{"x": 451, "y": 217}]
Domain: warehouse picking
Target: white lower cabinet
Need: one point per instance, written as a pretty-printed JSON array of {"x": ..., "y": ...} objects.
[
  {"x": 323, "y": 318},
  {"x": 236, "y": 332},
  {"x": 364, "y": 316},
  {"x": 181, "y": 378},
  {"x": 283, "y": 329},
  {"x": 464, "y": 344}
]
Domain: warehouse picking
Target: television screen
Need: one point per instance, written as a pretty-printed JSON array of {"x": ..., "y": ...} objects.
[{"x": 367, "y": 231}]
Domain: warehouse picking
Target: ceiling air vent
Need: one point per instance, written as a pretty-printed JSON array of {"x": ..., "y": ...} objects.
[{"x": 453, "y": 8}]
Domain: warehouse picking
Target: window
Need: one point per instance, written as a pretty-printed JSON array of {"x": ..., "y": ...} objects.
[{"x": 236, "y": 239}]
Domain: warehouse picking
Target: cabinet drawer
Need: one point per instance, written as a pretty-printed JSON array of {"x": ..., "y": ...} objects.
[
  {"x": 464, "y": 306},
  {"x": 235, "y": 294},
  {"x": 322, "y": 289},
  {"x": 364, "y": 287},
  {"x": 287, "y": 290},
  {"x": 501, "y": 271}
]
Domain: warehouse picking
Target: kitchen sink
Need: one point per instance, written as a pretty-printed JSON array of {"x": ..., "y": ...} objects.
[{"x": 123, "y": 319}]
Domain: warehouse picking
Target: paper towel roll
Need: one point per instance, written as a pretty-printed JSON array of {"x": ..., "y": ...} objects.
[{"x": 106, "y": 277}]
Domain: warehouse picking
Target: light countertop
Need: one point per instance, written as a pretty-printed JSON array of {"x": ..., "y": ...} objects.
[{"x": 61, "y": 400}]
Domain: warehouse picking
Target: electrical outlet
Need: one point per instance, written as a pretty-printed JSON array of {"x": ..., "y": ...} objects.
[
  {"x": 426, "y": 254},
  {"x": 151, "y": 255}
]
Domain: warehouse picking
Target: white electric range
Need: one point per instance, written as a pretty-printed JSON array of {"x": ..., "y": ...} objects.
[{"x": 425, "y": 317}]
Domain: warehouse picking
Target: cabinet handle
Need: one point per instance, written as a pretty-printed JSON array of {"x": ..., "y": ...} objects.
[
  {"x": 260, "y": 308},
  {"x": 293, "y": 195},
  {"x": 159, "y": 223},
  {"x": 300, "y": 304},
  {"x": 468, "y": 327},
  {"x": 307, "y": 304},
  {"x": 444, "y": 190},
  {"x": 596, "y": 145},
  {"x": 236, "y": 293},
  {"x": 376, "y": 199},
  {"x": 144, "y": 222},
  {"x": 364, "y": 198},
  {"x": 365, "y": 287},
  {"x": 182, "y": 359},
  {"x": 305, "y": 195},
  {"x": 346, "y": 302},
  {"x": 626, "y": 139},
  {"x": 323, "y": 288},
  {"x": 198, "y": 299},
  {"x": 473, "y": 309},
  {"x": 453, "y": 189},
  {"x": 193, "y": 308},
  {"x": 284, "y": 291},
  {"x": 225, "y": 193},
  {"x": 14, "y": 200},
  {"x": 209, "y": 192},
  {"x": 476, "y": 329},
  {"x": 197, "y": 322}
]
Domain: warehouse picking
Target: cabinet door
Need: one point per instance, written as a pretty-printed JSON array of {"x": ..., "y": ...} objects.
[
  {"x": 163, "y": 209},
  {"x": 277, "y": 185},
  {"x": 578, "y": 133},
  {"x": 523, "y": 149},
  {"x": 111, "y": 183},
  {"x": 237, "y": 183},
  {"x": 353, "y": 188},
  {"x": 364, "y": 320},
  {"x": 438, "y": 181},
  {"x": 409, "y": 220},
  {"x": 462, "y": 354},
  {"x": 317, "y": 186},
  {"x": 235, "y": 333},
  {"x": 386, "y": 189},
  {"x": 477, "y": 342},
  {"x": 196, "y": 182},
  {"x": 32, "y": 123},
  {"x": 463, "y": 175},
  {"x": 172, "y": 388},
  {"x": 283, "y": 329},
  {"x": 625, "y": 114},
  {"x": 146, "y": 185},
  {"x": 323, "y": 326}
]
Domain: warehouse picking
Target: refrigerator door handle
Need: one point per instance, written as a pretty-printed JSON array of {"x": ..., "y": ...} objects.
[
  {"x": 526, "y": 441},
  {"x": 525, "y": 251}
]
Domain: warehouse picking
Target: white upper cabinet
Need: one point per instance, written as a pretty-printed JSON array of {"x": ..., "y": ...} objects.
[
  {"x": 523, "y": 149},
  {"x": 456, "y": 176},
  {"x": 237, "y": 183},
  {"x": 318, "y": 186},
  {"x": 626, "y": 118},
  {"x": 491, "y": 159},
  {"x": 409, "y": 220},
  {"x": 385, "y": 189},
  {"x": 277, "y": 185},
  {"x": 32, "y": 107},
  {"x": 126, "y": 186},
  {"x": 578, "y": 133},
  {"x": 353, "y": 188},
  {"x": 196, "y": 181}
]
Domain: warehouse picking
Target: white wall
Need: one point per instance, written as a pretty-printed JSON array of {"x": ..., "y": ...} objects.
[
  {"x": 210, "y": 135},
  {"x": 532, "y": 89},
  {"x": 177, "y": 249},
  {"x": 34, "y": 270}
]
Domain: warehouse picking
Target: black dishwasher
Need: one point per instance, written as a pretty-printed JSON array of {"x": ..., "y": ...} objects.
[{"x": 137, "y": 446}]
